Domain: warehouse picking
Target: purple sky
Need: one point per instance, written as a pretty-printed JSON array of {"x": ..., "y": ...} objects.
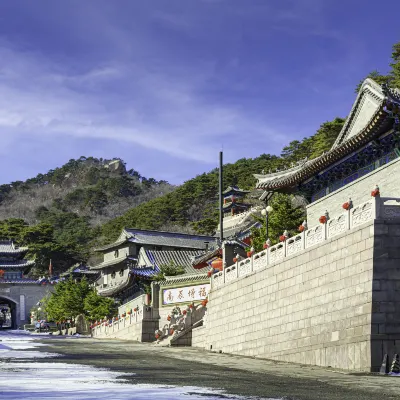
[{"x": 164, "y": 84}]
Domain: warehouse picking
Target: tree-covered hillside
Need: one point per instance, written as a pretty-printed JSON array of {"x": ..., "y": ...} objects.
[{"x": 88, "y": 187}]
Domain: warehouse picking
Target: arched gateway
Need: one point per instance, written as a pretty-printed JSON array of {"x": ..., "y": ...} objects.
[{"x": 17, "y": 293}]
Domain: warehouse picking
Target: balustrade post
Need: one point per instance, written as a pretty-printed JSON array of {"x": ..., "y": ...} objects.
[
  {"x": 267, "y": 257},
  {"x": 376, "y": 207},
  {"x": 251, "y": 263},
  {"x": 237, "y": 269},
  {"x": 348, "y": 219},
  {"x": 224, "y": 275}
]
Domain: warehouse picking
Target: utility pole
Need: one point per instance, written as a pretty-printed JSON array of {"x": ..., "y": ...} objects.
[{"x": 221, "y": 201}]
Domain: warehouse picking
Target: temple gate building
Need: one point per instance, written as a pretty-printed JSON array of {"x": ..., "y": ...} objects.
[{"x": 18, "y": 294}]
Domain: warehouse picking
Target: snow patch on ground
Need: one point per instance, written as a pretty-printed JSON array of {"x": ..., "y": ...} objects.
[
  {"x": 59, "y": 380},
  {"x": 50, "y": 380},
  {"x": 12, "y": 346}
]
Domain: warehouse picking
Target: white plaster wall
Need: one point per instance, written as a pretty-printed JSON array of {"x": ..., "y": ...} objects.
[{"x": 387, "y": 177}]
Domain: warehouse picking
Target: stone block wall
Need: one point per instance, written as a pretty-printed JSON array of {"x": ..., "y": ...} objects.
[
  {"x": 199, "y": 337},
  {"x": 312, "y": 308},
  {"x": 359, "y": 191},
  {"x": 385, "y": 328}
]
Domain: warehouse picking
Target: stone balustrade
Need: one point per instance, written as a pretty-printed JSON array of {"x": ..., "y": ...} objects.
[
  {"x": 376, "y": 208},
  {"x": 106, "y": 329}
]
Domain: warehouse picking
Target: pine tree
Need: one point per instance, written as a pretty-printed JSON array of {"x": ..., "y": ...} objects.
[
  {"x": 284, "y": 216},
  {"x": 395, "y": 65}
]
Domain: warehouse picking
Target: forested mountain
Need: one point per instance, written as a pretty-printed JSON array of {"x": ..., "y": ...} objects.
[
  {"x": 61, "y": 215},
  {"x": 89, "y": 187}
]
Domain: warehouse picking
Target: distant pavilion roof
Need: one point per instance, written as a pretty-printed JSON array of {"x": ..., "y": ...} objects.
[
  {"x": 8, "y": 247},
  {"x": 234, "y": 190},
  {"x": 15, "y": 264},
  {"x": 369, "y": 118}
]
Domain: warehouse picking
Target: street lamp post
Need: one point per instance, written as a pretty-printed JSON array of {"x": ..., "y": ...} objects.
[{"x": 266, "y": 212}]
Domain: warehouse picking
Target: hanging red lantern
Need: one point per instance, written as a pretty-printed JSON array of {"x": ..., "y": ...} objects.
[{"x": 322, "y": 219}]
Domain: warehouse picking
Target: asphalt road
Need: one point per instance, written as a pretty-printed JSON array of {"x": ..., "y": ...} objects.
[{"x": 237, "y": 375}]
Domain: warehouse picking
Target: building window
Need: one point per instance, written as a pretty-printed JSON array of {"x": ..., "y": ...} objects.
[
  {"x": 112, "y": 275},
  {"x": 116, "y": 253},
  {"x": 121, "y": 272}
]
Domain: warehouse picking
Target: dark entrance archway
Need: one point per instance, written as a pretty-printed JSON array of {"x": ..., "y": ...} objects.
[{"x": 8, "y": 313}]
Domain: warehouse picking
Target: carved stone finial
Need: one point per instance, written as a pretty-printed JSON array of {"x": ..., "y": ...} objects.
[
  {"x": 326, "y": 214},
  {"x": 263, "y": 172},
  {"x": 268, "y": 242},
  {"x": 286, "y": 233},
  {"x": 305, "y": 224}
]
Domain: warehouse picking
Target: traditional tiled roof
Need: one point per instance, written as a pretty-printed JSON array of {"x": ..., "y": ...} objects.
[
  {"x": 144, "y": 272},
  {"x": 104, "y": 264},
  {"x": 368, "y": 119},
  {"x": 111, "y": 291},
  {"x": 203, "y": 258},
  {"x": 8, "y": 247},
  {"x": 160, "y": 238},
  {"x": 183, "y": 258},
  {"x": 19, "y": 281},
  {"x": 201, "y": 276},
  {"x": 171, "y": 239},
  {"x": 79, "y": 269},
  {"x": 118, "y": 243},
  {"x": 234, "y": 190},
  {"x": 8, "y": 264}
]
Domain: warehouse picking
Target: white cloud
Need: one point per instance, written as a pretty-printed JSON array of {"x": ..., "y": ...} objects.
[{"x": 125, "y": 102}]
